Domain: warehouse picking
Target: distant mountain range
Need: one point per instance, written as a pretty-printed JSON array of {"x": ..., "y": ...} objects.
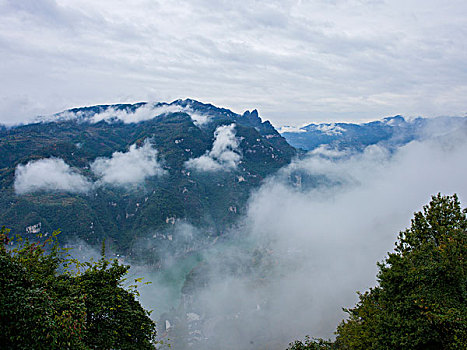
[{"x": 390, "y": 132}]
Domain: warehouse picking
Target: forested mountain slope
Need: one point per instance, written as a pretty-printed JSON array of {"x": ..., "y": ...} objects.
[{"x": 126, "y": 171}]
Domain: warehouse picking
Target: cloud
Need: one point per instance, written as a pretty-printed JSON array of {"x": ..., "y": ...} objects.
[
  {"x": 328, "y": 237},
  {"x": 288, "y": 128},
  {"x": 305, "y": 247},
  {"x": 148, "y": 111},
  {"x": 141, "y": 113},
  {"x": 329, "y": 152},
  {"x": 334, "y": 59},
  {"x": 330, "y": 129},
  {"x": 145, "y": 112},
  {"x": 198, "y": 119},
  {"x": 51, "y": 174},
  {"x": 128, "y": 168},
  {"x": 223, "y": 155}
]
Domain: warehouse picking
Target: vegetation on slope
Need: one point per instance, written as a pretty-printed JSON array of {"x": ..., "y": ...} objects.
[{"x": 124, "y": 216}]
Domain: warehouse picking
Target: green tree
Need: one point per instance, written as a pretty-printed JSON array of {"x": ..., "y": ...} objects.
[
  {"x": 45, "y": 304},
  {"x": 114, "y": 318},
  {"x": 420, "y": 302}
]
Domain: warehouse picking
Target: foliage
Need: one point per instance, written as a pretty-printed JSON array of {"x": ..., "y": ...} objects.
[
  {"x": 311, "y": 344},
  {"x": 421, "y": 298},
  {"x": 46, "y": 303},
  {"x": 420, "y": 302}
]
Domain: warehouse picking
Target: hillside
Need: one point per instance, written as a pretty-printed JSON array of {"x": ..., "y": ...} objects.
[{"x": 124, "y": 172}]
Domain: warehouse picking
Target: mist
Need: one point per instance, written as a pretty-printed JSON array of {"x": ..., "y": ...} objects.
[
  {"x": 311, "y": 238},
  {"x": 223, "y": 155},
  {"x": 49, "y": 174},
  {"x": 129, "y": 168},
  {"x": 143, "y": 112},
  {"x": 123, "y": 169}
]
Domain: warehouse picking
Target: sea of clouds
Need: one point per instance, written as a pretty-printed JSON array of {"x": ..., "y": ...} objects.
[
  {"x": 310, "y": 239},
  {"x": 303, "y": 250}
]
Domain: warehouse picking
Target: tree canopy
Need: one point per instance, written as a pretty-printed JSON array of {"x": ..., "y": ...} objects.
[
  {"x": 420, "y": 301},
  {"x": 47, "y": 304}
]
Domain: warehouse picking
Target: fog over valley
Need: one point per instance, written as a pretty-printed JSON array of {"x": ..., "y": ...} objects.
[{"x": 310, "y": 239}]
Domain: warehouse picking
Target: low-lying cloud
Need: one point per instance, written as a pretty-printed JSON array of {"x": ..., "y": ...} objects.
[
  {"x": 145, "y": 111},
  {"x": 128, "y": 168},
  {"x": 141, "y": 113},
  {"x": 310, "y": 240},
  {"x": 198, "y": 118},
  {"x": 122, "y": 169},
  {"x": 223, "y": 155},
  {"x": 50, "y": 174}
]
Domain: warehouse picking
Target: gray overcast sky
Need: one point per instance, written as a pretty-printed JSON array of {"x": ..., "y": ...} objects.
[{"x": 295, "y": 61}]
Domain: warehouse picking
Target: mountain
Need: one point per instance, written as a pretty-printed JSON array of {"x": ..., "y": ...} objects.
[
  {"x": 390, "y": 132},
  {"x": 133, "y": 173}
]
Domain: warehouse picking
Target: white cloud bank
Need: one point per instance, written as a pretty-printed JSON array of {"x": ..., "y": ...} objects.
[
  {"x": 51, "y": 174},
  {"x": 128, "y": 168},
  {"x": 327, "y": 239},
  {"x": 223, "y": 155},
  {"x": 141, "y": 113},
  {"x": 145, "y": 112},
  {"x": 148, "y": 112}
]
